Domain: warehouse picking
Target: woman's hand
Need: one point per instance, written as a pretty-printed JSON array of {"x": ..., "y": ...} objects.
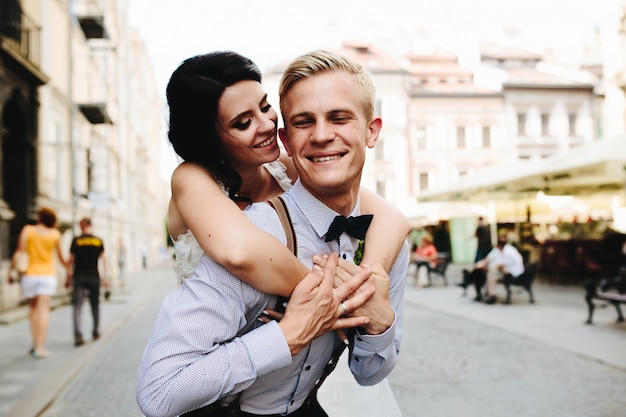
[{"x": 378, "y": 307}]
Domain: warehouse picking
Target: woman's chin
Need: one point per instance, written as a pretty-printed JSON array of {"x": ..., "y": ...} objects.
[{"x": 271, "y": 153}]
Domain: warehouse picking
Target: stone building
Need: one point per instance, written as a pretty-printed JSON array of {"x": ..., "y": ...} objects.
[{"x": 81, "y": 129}]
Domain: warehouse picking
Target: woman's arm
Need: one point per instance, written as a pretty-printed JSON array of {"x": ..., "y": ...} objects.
[
  {"x": 388, "y": 230},
  {"x": 18, "y": 247},
  {"x": 64, "y": 261},
  {"x": 228, "y": 237}
]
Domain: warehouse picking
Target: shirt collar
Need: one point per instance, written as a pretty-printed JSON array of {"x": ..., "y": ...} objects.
[{"x": 319, "y": 215}]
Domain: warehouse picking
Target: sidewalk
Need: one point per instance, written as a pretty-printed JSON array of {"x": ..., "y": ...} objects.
[
  {"x": 558, "y": 316},
  {"x": 28, "y": 386}
]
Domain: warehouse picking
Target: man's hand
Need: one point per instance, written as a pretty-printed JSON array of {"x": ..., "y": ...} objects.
[
  {"x": 482, "y": 264},
  {"x": 315, "y": 305},
  {"x": 378, "y": 307}
]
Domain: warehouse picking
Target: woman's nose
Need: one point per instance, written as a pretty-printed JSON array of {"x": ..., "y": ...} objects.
[{"x": 268, "y": 122}]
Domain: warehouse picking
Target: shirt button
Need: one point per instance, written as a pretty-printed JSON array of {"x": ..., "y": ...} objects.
[
  {"x": 307, "y": 368},
  {"x": 344, "y": 256},
  {"x": 291, "y": 403}
]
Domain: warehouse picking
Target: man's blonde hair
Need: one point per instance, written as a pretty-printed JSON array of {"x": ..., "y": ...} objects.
[{"x": 320, "y": 61}]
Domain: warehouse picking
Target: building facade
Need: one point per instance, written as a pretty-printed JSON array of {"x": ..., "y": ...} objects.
[{"x": 81, "y": 129}]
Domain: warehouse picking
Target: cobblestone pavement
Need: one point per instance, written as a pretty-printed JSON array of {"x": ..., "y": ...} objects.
[
  {"x": 96, "y": 379},
  {"x": 459, "y": 358},
  {"x": 454, "y": 366}
]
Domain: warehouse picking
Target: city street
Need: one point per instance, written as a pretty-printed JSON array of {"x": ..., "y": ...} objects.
[{"x": 459, "y": 357}]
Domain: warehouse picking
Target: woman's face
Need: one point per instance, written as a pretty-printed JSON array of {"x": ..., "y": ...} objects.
[{"x": 247, "y": 125}]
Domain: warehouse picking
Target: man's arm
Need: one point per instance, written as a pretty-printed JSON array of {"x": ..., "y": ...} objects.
[
  {"x": 377, "y": 344},
  {"x": 70, "y": 271},
  {"x": 195, "y": 355},
  {"x": 190, "y": 359},
  {"x": 374, "y": 355},
  {"x": 105, "y": 275}
]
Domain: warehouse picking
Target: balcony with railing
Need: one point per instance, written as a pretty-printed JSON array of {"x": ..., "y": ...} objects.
[
  {"x": 20, "y": 40},
  {"x": 92, "y": 85},
  {"x": 90, "y": 16}
]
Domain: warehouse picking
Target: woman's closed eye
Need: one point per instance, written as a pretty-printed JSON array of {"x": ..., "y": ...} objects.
[
  {"x": 243, "y": 124},
  {"x": 246, "y": 121}
]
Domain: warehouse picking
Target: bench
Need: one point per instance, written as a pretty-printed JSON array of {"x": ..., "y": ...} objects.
[
  {"x": 478, "y": 278},
  {"x": 440, "y": 268},
  {"x": 524, "y": 281},
  {"x": 611, "y": 290}
]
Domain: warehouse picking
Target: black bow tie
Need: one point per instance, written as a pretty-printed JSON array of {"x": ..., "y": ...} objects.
[{"x": 354, "y": 226}]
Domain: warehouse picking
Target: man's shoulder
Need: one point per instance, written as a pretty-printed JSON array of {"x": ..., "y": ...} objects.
[{"x": 88, "y": 238}]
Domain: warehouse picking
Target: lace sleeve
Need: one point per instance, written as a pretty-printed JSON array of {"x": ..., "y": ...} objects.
[
  {"x": 278, "y": 170},
  {"x": 187, "y": 254}
]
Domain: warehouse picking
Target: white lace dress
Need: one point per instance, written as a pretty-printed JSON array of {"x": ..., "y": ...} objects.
[{"x": 187, "y": 250}]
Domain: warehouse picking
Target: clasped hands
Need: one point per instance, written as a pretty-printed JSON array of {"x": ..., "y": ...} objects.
[
  {"x": 376, "y": 308},
  {"x": 333, "y": 297}
]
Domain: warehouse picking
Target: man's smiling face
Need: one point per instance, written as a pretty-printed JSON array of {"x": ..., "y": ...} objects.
[{"x": 326, "y": 132}]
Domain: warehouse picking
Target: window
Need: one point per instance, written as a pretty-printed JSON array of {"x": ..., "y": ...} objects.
[
  {"x": 486, "y": 136},
  {"x": 381, "y": 188},
  {"x": 379, "y": 151},
  {"x": 545, "y": 124},
  {"x": 571, "y": 118},
  {"x": 90, "y": 173},
  {"x": 378, "y": 108},
  {"x": 521, "y": 124},
  {"x": 420, "y": 137},
  {"x": 423, "y": 180},
  {"x": 460, "y": 137}
]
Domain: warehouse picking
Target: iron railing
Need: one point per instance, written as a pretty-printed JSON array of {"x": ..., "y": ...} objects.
[{"x": 20, "y": 32}]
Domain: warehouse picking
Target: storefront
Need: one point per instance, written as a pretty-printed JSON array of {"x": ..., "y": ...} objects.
[{"x": 569, "y": 210}]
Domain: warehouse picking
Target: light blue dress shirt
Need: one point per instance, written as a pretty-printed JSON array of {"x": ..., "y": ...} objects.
[{"x": 208, "y": 345}]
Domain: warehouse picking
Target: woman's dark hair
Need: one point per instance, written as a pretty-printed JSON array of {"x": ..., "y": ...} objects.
[{"x": 193, "y": 93}]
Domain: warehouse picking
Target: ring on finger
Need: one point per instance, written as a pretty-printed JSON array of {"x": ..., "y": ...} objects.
[{"x": 343, "y": 306}]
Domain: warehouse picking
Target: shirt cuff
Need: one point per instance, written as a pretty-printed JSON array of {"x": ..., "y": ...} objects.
[
  {"x": 268, "y": 348},
  {"x": 377, "y": 344}
]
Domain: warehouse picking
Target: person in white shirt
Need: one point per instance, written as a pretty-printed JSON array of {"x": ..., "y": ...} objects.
[{"x": 503, "y": 259}]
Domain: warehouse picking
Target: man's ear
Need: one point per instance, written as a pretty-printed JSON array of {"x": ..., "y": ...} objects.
[
  {"x": 282, "y": 134},
  {"x": 374, "y": 129}
]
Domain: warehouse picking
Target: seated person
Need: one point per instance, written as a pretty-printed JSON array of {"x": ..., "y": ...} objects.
[
  {"x": 476, "y": 276},
  {"x": 504, "y": 259},
  {"x": 425, "y": 256}
]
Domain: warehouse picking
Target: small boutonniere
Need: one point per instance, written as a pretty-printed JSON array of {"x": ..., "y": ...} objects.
[{"x": 358, "y": 255}]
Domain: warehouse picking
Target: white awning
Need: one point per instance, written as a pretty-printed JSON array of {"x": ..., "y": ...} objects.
[{"x": 594, "y": 167}]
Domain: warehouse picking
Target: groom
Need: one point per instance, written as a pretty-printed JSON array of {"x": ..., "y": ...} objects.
[{"x": 199, "y": 352}]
